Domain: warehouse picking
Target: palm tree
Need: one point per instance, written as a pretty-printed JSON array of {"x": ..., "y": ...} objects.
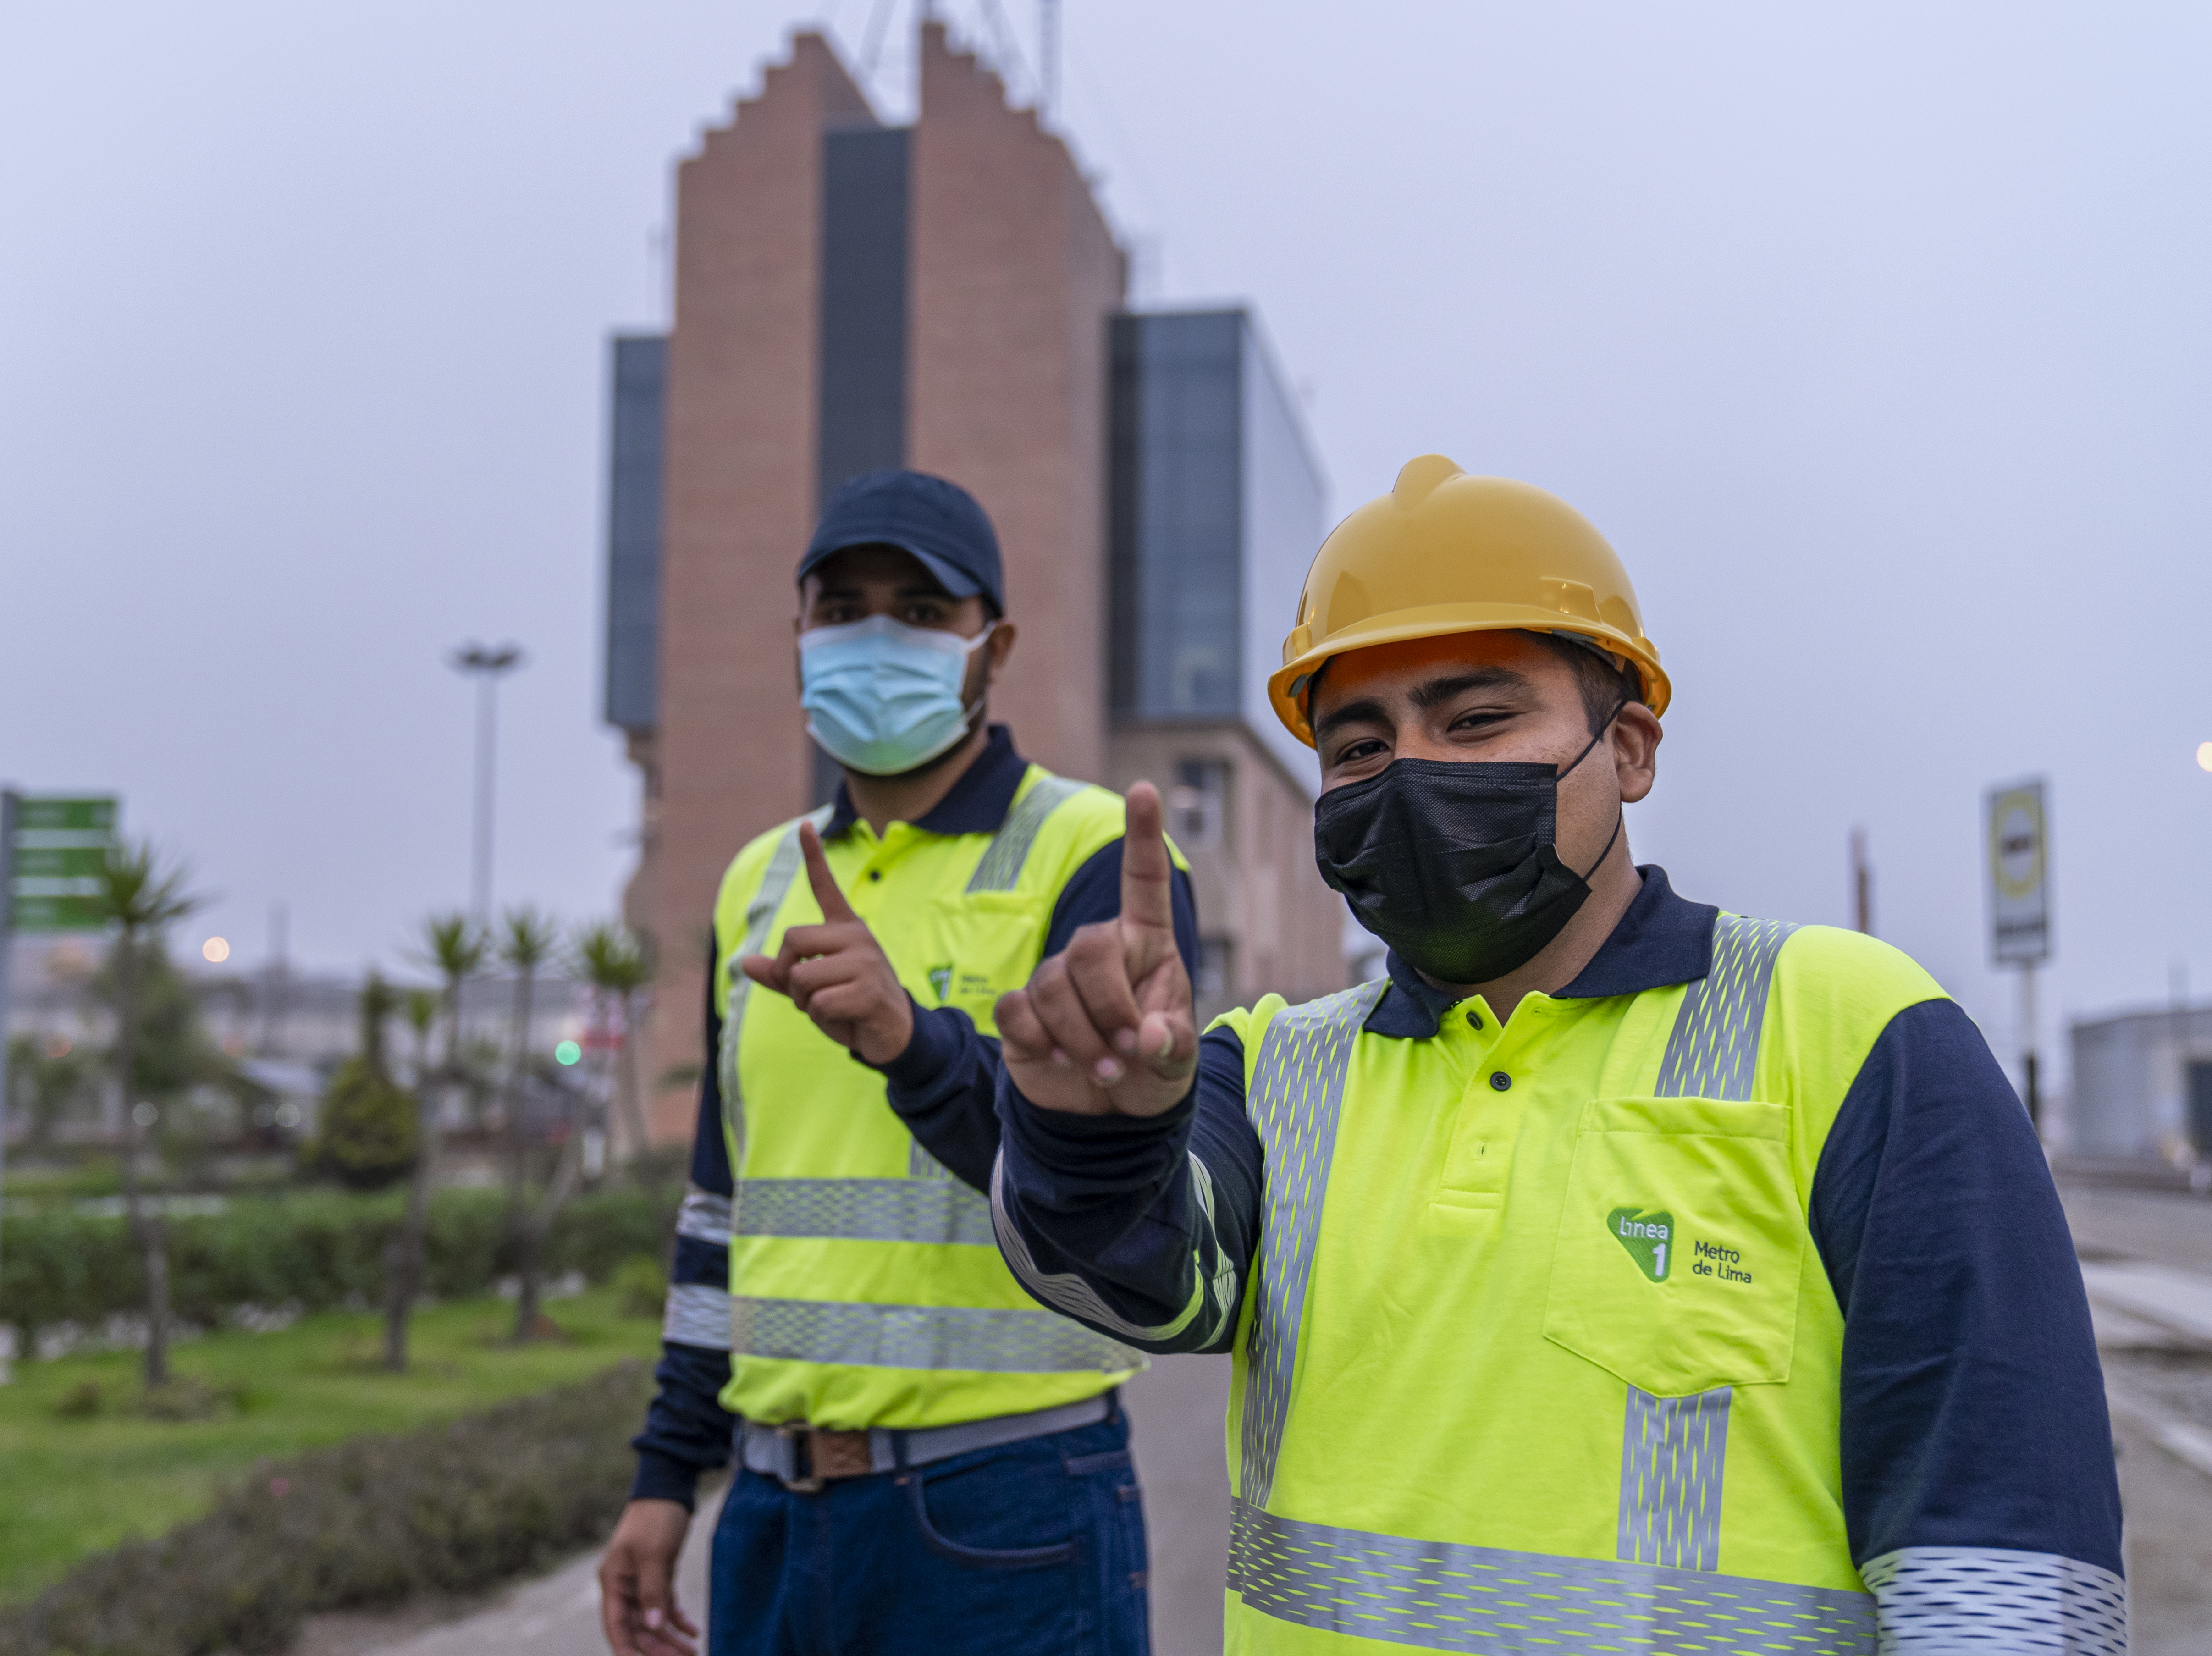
[
  {"x": 404, "y": 1265},
  {"x": 526, "y": 944},
  {"x": 452, "y": 944},
  {"x": 618, "y": 963},
  {"x": 140, "y": 898}
]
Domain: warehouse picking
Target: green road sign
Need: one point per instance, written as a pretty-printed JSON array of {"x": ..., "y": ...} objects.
[{"x": 60, "y": 845}]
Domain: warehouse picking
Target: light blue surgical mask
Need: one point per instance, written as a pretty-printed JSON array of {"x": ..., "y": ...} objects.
[{"x": 882, "y": 697}]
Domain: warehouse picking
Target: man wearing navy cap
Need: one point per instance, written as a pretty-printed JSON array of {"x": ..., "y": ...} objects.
[{"x": 924, "y": 1459}]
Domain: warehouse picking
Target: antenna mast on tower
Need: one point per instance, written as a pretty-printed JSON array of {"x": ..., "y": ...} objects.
[{"x": 1049, "y": 55}]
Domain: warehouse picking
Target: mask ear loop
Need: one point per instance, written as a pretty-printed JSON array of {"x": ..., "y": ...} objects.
[
  {"x": 1619, "y": 817},
  {"x": 1598, "y": 736},
  {"x": 967, "y": 712}
]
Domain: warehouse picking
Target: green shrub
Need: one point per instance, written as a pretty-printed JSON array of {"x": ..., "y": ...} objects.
[
  {"x": 369, "y": 1132},
  {"x": 449, "y": 1509},
  {"x": 80, "y": 1402},
  {"x": 643, "y": 1285},
  {"x": 317, "y": 1250}
]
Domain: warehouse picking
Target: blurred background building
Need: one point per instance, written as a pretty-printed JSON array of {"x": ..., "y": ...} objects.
[
  {"x": 948, "y": 296},
  {"x": 2142, "y": 1087}
]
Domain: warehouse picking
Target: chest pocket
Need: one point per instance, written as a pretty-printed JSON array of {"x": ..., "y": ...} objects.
[
  {"x": 1681, "y": 1235},
  {"x": 985, "y": 942},
  {"x": 977, "y": 945},
  {"x": 1680, "y": 1244}
]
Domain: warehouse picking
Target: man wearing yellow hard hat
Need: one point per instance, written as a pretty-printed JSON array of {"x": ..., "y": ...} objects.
[{"x": 1620, "y": 1273}]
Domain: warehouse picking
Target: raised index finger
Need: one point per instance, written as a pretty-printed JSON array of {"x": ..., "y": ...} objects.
[
  {"x": 1146, "y": 899},
  {"x": 826, "y": 890}
]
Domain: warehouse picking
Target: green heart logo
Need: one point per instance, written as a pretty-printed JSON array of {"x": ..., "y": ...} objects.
[
  {"x": 940, "y": 979},
  {"x": 1649, "y": 1237}
]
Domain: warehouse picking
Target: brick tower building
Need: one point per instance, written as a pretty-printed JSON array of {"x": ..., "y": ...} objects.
[{"x": 948, "y": 296}]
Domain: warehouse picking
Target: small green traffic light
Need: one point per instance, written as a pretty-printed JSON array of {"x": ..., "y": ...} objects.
[{"x": 567, "y": 1052}]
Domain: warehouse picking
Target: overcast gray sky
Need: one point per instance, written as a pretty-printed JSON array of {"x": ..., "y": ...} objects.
[{"x": 1874, "y": 336}]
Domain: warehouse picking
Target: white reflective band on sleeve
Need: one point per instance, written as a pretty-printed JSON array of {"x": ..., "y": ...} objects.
[
  {"x": 1714, "y": 1048},
  {"x": 922, "y": 1336},
  {"x": 1064, "y": 1290},
  {"x": 698, "y": 1314},
  {"x": 1436, "y": 1595},
  {"x": 1298, "y": 1087},
  {"x": 1935, "y": 1601},
  {"x": 1222, "y": 1280},
  {"x": 941, "y": 1211},
  {"x": 703, "y": 1217}
]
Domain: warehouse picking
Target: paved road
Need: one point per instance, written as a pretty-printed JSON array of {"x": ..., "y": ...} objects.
[
  {"x": 2147, "y": 1259},
  {"x": 1176, "y": 1412}
]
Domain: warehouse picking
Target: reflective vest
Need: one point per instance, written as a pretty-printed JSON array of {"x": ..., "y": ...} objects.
[
  {"x": 865, "y": 1289},
  {"x": 1537, "y": 1355}
]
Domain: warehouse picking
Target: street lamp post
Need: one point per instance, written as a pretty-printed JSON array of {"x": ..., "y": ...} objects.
[{"x": 485, "y": 665}]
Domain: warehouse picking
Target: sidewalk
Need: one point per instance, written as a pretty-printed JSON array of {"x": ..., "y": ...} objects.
[{"x": 555, "y": 1614}]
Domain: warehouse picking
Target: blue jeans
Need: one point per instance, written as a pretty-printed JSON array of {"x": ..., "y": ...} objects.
[{"x": 1035, "y": 1546}]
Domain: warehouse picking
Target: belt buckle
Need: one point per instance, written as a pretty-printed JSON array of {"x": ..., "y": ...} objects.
[{"x": 799, "y": 1435}]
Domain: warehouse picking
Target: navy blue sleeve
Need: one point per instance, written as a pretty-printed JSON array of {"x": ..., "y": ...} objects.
[
  {"x": 1973, "y": 1405},
  {"x": 686, "y": 1430},
  {"x": 710, "y": 1151},
  {"x": 1093, "y": 893},
  {"x": 1160, "y": 1247},
  {"x": 944, "y": 1087}
]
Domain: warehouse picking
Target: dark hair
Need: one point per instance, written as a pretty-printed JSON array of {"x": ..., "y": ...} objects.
[{"x": 1606, "y": 681}]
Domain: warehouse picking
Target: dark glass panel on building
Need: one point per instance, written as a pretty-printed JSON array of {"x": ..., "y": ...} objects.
[
  {"x": 1176, "y": 515},
  {"x": 863, "y": 345},
  {"x": 635, "y": 445},
  {"x": 864, "y": 262}
]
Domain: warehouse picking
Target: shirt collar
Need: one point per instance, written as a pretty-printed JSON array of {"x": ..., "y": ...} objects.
[
  {"x": 1662, "y": 940},
  {"x": 976, "y": 804}
]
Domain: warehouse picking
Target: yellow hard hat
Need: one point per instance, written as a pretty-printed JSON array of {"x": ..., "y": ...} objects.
[{"x": 1443, "y": 553}]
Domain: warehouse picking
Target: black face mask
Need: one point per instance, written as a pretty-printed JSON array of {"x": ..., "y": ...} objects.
[{"x": 1453, "y": 864}]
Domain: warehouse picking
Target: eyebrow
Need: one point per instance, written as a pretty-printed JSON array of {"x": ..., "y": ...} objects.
[
  {"x": 1431, "y": 693},
  {"x": 1437, "y": 691},
  {"x": 1365, "y": 711},
  {"x": 917, "y": 589}
]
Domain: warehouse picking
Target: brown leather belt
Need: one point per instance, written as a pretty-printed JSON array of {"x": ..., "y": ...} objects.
[
  {"x": 803, "y": 1458},
  {"x": 817, "y": 1456}
]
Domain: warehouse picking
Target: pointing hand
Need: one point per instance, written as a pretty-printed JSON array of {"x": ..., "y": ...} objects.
[
  {"x": 1106, "y": 1027},
  {"x": 836, "y": 973}
]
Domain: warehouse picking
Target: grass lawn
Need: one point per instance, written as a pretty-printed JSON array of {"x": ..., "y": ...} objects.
[{"x": 74, "y": 1486}]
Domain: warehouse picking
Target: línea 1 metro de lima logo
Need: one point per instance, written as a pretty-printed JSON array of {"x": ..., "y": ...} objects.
[{"x": 1649, "y": 1237}]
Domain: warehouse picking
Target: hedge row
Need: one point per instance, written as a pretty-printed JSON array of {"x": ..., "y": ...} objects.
[
  {"x": 450, "y": 1509},
  {"x": 317, "y": 1251}
]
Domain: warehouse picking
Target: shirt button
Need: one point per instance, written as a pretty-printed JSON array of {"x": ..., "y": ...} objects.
[
  {"x": 1500, "y": 1079},
  {"x": 875, "y": 873},
  {"x": 1473, "y": 1020}
]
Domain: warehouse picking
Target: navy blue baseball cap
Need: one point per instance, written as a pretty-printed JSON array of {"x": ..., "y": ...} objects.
[{"x": 939, "y": 522}]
